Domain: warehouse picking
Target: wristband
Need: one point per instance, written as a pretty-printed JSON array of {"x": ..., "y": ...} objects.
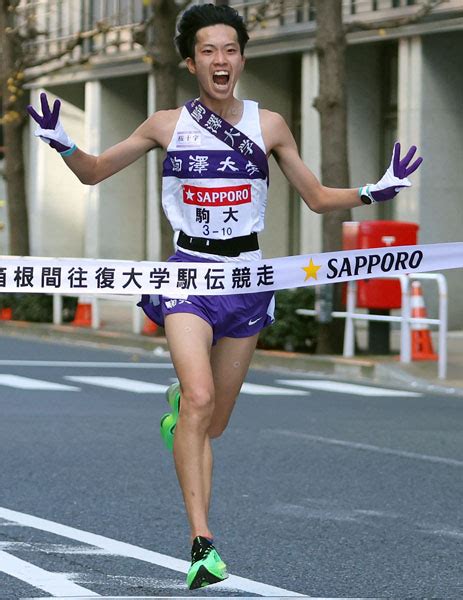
[
  {"x": 364, "y": 196},
  {"x": 70, "y": 151}
]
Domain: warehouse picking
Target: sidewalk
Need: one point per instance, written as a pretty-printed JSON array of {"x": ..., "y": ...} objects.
[{"x": 116, "y": 331}]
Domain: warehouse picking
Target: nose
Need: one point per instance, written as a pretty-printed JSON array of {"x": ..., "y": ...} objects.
[{"x": 220, "y": 57}]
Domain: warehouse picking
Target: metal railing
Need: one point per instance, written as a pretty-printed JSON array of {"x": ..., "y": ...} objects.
[
  {"x": 405, "y": 319},
  {"x": 58, "y": 21},
  {"x": 298, "y": 11},
  {"x": 281, "y": 13}
]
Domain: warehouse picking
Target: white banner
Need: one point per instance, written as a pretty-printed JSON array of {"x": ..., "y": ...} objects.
[{"x": 78, "y": 276}]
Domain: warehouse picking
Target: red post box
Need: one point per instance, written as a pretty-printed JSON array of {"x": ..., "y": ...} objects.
[{"x": 378, "y": 293}]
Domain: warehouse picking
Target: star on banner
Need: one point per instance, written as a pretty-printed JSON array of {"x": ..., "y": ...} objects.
[{"x": 311, "y": 270}]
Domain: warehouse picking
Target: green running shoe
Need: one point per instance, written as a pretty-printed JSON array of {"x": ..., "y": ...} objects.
[
  {"x": 173, "y": 397},
  {"x": 169, "y": 420},
  {"x": 206, "y": 565}
]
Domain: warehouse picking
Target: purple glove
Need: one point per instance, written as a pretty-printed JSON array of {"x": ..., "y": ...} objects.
[
  {"x": 50, "y": 129},
  {"x": 395, "y": 178}
]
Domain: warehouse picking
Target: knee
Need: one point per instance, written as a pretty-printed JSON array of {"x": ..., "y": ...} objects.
[{"x": 197, "y": 404}]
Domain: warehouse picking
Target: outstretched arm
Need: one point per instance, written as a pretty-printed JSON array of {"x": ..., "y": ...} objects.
[
  {"x": 93, "y": 169},
  {"x": 320, "y": 198}
]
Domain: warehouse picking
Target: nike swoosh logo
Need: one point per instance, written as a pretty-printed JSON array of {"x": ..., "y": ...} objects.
[{"x": 253, "y": 322}]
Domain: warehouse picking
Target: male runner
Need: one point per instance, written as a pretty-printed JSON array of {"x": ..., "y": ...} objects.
[{"x": 214, "y": 194}]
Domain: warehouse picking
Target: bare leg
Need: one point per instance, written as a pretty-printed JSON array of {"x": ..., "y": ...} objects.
[
  {"x": 207, "y": 473},
  {"x": 230, "y": 359},
  {"x": 190, "y": 340},
  {"x": 210, "y": 381}
]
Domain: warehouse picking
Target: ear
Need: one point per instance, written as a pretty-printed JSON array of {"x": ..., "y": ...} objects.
[{"x": 190, "y": 64}]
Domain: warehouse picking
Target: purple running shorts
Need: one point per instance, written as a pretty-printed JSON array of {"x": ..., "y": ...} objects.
[{"x": 229, "y": 315}]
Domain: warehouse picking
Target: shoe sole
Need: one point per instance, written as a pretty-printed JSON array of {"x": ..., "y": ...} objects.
[
  {"x": 203, "y": 578},
  {"x": 175, "y": 405},
  {"x": 167, "y": 436}
]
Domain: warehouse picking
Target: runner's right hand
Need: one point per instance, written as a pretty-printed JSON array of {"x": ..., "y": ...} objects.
[{"x": 50, "y": 129}]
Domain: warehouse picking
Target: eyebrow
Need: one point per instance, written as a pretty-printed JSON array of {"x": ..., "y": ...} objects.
[{"x": 203, "y": 44}]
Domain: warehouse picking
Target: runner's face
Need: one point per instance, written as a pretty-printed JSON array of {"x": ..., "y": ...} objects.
[{"x": 218, "y": 62}]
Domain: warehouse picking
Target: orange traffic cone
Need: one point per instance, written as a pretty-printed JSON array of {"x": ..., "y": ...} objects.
[
  {"x": 83, "y": 316},
  {"x": 149, "y": 327},
  {"x": 6, "y": 314},
  {"x": 421, "y": 338}
]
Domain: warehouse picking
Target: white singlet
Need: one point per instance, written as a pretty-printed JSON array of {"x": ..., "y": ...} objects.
[{"x": 211, "y": 190}]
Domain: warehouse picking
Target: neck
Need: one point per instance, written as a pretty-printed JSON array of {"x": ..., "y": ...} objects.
[{"x": 228, "y": 109}]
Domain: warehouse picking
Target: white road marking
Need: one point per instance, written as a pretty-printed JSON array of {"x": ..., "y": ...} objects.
[
  {"x": 358, "y": 446},
  {"x": 118, "y": 548},
  {"x": 269, "y": 390},
  {"x": 346, "y": 388},
  {"x": 144, "y": 387},
  {"x": 264, "y": 390},
  {"x": 53, "y": 583},
  {"x": 180, "y": 597},
  {"x": 27, "y": 383},
  {"x": 51, "y": 548},
  {"x": 453, "y": 533},
  {"x": 121, "y": 383},
  {"x": 98, "y": 578},
  {"x": 85, "y": 364}
]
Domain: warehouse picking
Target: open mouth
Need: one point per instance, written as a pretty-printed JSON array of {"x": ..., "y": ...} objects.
[{"x": 221, "y": 77}]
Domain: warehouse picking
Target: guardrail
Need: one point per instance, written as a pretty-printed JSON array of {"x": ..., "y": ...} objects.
[
  {"x": 405, "y": 319},
  {"x": 94, "y": 301}
]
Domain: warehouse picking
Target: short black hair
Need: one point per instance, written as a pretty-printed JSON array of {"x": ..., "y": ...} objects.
[{"x": 205, "y": 15}]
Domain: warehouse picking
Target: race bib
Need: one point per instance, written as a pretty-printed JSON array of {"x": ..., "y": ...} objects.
[{"x": 217, "y": 212}]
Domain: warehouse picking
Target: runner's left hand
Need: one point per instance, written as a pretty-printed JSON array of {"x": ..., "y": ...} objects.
[{"x": 395, "y": 178}]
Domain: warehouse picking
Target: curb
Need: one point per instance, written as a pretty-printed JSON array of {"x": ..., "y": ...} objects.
[
  {"x": 269, "y": 359},
  {"x": 381, "y": 370}
]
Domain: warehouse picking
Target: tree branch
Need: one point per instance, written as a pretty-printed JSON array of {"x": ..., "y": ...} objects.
[
  {"x": 71, "y": 44},
  {"x": 261, "y": 13},
  {"x": 425, "y": 8},
  {"x": 71, "y": 62}
]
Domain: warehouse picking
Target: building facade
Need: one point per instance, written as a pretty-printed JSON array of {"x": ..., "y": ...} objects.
[{"x": 404, "y": 83}]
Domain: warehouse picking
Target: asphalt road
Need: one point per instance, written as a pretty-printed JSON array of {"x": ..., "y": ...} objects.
[{"x": 321, "y": 489}]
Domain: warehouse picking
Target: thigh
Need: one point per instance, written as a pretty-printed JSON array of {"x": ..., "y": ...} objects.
[
  {"x": 230, "y": 360},
  {"x": 190, "y": 340}
]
